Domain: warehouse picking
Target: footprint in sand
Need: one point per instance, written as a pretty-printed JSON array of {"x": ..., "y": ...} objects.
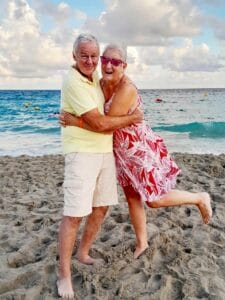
[
  {"x": 187, "y": 211},
  {"x": 109, "y": 226},
  {"x": 121, "y": 218},
  {"x": 24, "y": 280},
  {"x": 155, "y": 282},
  {"x": 105, "y": 238},
  {"x": 29, "y": 253},
  {"x": 19, "y": 259},
  {"x": 128, "y": 229},
  {"x": 186, "y": 226},
  {"x": 188, "y": 250}
]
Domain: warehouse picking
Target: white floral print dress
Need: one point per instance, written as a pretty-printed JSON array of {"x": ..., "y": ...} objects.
[{"x": 142, "y": 160}]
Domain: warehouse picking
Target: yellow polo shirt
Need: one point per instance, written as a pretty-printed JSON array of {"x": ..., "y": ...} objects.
[{"x": 78, "y": 96}]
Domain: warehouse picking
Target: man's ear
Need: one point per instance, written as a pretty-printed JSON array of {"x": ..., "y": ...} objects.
[
  {"x": 124, "y": 65},
  {"x": 74, "y": 56}
]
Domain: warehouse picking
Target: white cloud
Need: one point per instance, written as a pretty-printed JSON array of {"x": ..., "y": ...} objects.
[
  {"x": 218, "y": 26},
  {"x": 186, "y": 66},
  {"x": 146, "y": 22},
  {"x": 190, "y": 58},
  {"x": 26, "y": 52},
  {"x": 211, "y": 3},
  {"x": 34, "y": 56},
  {"x": 61, "y": 13},
  {"x": 158, "y": 77},
  {"x": 186, "y": 58}
]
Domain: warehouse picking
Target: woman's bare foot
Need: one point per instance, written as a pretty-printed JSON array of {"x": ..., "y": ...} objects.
[
  {"x": 205, "y": 207},
  {"x": 139, "y": 251},
  {"x": 65, "y": 289}
]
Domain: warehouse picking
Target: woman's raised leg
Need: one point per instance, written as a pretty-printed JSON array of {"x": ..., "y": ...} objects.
[{"x": 177, "y": 197}]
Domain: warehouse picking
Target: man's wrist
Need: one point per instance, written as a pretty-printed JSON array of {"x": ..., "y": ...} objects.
[{"x": 81, "y": 122}]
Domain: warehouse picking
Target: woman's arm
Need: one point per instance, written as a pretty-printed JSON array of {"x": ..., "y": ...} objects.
[
  {"x": 124, "y": 99},
  {"x": 68, "y": 119}
]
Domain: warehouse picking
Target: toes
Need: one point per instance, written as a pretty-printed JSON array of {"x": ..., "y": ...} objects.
[{"x": 64, "y": 289}]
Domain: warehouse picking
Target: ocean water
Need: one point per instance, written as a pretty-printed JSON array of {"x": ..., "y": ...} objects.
[{"x": 189, "y": 120}]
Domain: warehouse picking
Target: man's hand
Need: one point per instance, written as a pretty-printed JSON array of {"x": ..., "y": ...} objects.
[
  {"x": 67, "y": 119},
  {"x": 61, "y": 119},
  {"x": 138, "y": 115}
]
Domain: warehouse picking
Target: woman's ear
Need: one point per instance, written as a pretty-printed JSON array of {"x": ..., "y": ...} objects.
[{"x": 124, "y": 65}]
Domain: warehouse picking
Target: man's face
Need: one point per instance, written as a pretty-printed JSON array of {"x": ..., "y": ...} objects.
[{"x": 86, "y": 57}]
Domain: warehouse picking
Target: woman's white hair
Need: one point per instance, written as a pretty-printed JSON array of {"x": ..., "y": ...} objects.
[
  {"x": 120, "y": 49},
  {"x": 84, "y": 38}
]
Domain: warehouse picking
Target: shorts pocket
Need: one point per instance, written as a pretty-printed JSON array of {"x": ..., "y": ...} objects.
[
  {"x": 72, "y": 189},
  {"x": 73, "y": 183}
]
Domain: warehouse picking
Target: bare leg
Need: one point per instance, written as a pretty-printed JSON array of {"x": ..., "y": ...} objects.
[
  {"x": 92, "y": 226},
  {"x": 138, "y": 219},
  {"x": 176, "y": 197},
  {"x": 67, "y": 236}
]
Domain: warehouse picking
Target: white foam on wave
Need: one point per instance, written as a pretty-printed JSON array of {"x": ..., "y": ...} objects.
[
  {"x": 183, "y": 144},
  {"x": 30, "y": 144},
  {"x": 15, "y": 144}
]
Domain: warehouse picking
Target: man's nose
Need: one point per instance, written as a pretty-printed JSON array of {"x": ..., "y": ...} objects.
[{"x": 89, "y": 60}]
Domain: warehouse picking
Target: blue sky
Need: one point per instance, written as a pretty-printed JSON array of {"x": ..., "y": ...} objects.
[{"x": 170, "y": 43}]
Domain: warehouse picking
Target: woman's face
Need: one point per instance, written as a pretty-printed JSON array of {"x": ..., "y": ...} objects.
[{"x": 112, "y": 65}]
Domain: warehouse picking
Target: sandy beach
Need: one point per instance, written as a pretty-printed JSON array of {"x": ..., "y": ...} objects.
[{"x": 185, "y": 258}]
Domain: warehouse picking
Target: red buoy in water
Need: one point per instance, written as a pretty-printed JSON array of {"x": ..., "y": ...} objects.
[{"x": 158, "y": 100}]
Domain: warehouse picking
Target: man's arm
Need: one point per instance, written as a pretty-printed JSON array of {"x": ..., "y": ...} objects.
[
  {"x": 95, "y": 121},
  {"x": 102, "y": 123}
]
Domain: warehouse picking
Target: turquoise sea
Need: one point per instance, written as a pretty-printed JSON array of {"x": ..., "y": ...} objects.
[{"x": 189, "y": 120}]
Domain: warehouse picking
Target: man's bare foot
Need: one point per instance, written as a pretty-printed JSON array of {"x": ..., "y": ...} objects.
[
  {"x": 88, "y": 260},
  {"x": 139, "y": 251},
  {"x": 85, "y": 259},
  {"x": 205, "y": 207},
  {"x": 65, "y": 289}
]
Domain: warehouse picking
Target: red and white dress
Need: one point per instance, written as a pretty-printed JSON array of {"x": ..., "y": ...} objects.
[{"x": 142, "y": 160}]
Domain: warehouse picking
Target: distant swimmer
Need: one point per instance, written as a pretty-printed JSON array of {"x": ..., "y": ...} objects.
[{"x": 27, "y": 104}]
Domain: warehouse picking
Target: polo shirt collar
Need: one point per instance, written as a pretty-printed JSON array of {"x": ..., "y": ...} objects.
[{"x": 85, "y": 79}]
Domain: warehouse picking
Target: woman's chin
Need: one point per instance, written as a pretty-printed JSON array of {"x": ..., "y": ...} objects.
[{"x": 107, "y": 77}]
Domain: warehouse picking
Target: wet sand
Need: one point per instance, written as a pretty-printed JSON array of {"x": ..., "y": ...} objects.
[{"x": 185, "y": 258}]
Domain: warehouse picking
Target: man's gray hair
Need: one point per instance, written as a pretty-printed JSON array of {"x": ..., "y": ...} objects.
[
  {"x": 84, "y": 38},
  {"x": 122, "y": 50}
]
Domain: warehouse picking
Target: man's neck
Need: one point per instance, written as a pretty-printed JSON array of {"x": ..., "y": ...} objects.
[{"x": 90, "y": 78}]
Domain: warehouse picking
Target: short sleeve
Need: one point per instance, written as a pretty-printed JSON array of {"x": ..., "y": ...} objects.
[
  {"x": 80, "y": 99},
  {"x": 78, "y": 95}
]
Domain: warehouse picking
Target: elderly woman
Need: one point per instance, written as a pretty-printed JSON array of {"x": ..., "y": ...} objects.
[{"x": 145, "y": 170}]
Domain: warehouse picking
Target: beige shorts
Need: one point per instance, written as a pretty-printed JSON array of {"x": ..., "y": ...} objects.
[{"x": 90, "y": 181}]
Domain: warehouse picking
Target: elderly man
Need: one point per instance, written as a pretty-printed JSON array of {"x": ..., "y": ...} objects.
[{"x": 90, "y": 181}]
